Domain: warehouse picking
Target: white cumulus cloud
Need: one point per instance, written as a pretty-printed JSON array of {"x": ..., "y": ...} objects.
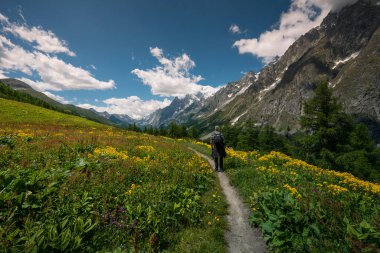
[
  {"x": 299, "y": 19},
  {"x": 235, "y": 29},
  {"x": 133, "y": 106},
  {"x": 172, "y": 77},
  {"x": 53, "y": 72}
]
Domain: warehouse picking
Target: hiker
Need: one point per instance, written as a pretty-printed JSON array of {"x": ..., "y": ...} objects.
[{"x": 218, "y": 149}]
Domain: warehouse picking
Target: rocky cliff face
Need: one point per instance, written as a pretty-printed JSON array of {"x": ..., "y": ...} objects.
[{"x": 344, "y": 49}]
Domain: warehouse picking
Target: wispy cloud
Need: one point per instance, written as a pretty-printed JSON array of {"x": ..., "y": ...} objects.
[
  {"x": 235, "y": 29},
  {"x": 53, "y": 72},
  {"x": 42, "y": 40},
  {"x": 299, "y": 19},
  {"x": 133, "y": 106},
  {"x": 172, "y": 77}
]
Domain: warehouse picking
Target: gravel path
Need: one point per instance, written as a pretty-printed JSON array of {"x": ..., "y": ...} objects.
[{"x": 241, "y": 237}]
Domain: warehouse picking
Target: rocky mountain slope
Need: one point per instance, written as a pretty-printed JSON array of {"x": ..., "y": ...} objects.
[
  {"x": 344, "y": 50},
  {"x": 192, "y": 107},
  {"x": 180, "y": 110}
]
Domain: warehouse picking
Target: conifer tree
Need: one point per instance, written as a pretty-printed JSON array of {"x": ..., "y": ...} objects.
[{"x": 328, "y": 126}]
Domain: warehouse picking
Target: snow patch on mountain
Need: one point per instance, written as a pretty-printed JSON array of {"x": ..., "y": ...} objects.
[
  {"x": 338, "y": 62},
  {"x": 233, "y": 122},
  {"x": 257, "y": 76},
  {"x": 270, "y": 87}
]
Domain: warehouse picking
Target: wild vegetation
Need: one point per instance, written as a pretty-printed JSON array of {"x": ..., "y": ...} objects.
[
  {"x": 303, "y": 208},
  {"x": 68, "y": 184}
]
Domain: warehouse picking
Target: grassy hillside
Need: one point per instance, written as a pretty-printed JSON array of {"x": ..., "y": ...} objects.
[
  {"x": 12, "y": 112},
  {"x": 68, "y": 184},
  {"x": 14, "y": 89}
]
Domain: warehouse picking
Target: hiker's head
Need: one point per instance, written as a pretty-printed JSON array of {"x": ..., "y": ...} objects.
[{"x": 217, "y": 128}]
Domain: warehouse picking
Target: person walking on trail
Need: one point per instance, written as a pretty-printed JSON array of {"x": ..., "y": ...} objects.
[{"x": 218, "y": 148}]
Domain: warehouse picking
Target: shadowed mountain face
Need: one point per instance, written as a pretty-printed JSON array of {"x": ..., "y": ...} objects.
[{"x": 344, "y": 49}]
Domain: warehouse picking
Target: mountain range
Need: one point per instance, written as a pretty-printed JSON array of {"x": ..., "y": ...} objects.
[{"x": 344, "y": 50}]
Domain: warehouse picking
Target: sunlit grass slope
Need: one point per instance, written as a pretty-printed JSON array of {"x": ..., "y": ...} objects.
[
  {"x": 18, "y": 112},
  {"x": 68, "y": 184}
]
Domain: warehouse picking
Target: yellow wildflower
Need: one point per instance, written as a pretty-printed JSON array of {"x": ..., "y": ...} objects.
[
  {"x": 336, "y": 189},
  {"x": 292, "y": 190}
]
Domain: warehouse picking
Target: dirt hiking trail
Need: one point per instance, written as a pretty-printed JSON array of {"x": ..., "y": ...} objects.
[{"x": 241, "y": 237}]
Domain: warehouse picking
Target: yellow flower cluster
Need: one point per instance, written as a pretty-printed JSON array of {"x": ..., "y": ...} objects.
[
  {"x": 344, "y": 178},
  {"x": 110, "y": 152},
  {"x": 198, "y": 165},
  {"x": 270, "y": 169},
  {"x": 23, "y": 134},
  {"x": 354, "y": 183},
  {"x": 237, "y": 154},
  {"x": 137, "y": 159},
  {"x": 292, "y": 190},
  {"x": 145, "y": 148},
  {"x": 275, "y": 156},
  {"x": 203, "y": 144},
  {"x": 111, "y": 132},
  {"x": 336, "y": 189}
]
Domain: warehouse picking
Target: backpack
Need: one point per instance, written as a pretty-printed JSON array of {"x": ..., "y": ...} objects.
[{"x": 218, "y": 140}]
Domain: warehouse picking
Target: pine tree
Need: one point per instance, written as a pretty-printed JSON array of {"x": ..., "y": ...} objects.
[{"x": 329, "y": 127}]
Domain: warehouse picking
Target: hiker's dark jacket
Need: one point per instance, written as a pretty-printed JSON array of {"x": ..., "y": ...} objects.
[{"x": 217, "y": 151}]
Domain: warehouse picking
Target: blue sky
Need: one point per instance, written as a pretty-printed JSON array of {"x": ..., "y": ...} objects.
[{"x": 133, "y": 57}]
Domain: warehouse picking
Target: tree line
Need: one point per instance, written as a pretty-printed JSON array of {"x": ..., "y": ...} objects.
[{"x": 173, "y": 130}]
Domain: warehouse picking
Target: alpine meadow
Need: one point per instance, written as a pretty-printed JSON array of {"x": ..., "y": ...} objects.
[{"x": 190, "y": 126}]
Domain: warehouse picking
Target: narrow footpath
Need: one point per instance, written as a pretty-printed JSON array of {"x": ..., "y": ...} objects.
[{"x": 241, "y": 237}]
